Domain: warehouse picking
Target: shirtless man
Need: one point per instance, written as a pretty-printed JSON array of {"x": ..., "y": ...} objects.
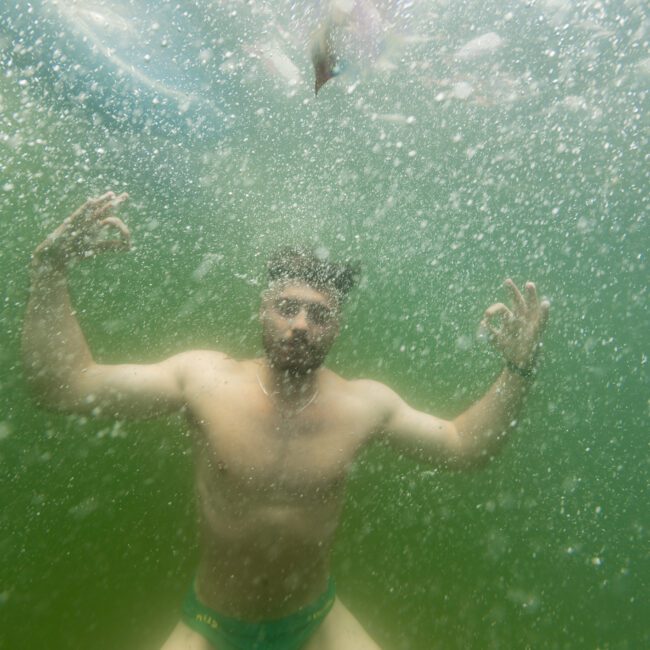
[{"x": 274, "y": 437}]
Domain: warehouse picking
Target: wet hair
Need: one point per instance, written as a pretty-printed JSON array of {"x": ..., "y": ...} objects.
[{"x": 313, "y": 269}]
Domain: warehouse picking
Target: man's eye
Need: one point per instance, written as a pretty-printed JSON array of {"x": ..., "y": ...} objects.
[
  {"x": 320, "y": 315},
  {"x": 287, "y": 307}
]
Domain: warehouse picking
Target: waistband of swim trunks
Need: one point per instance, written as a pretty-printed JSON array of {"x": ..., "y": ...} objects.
[{"x": 314, "y": 611}]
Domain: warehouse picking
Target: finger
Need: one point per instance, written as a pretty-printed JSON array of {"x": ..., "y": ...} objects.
[
  {"x": 119, "y": 224},
  {"x": 544, "y": 309},
  {"x": 107, "y": 196},
  {"x": 517, "y": 298},
  {"x": 99, "y": 202},
  {"x": 498, "y": 309},
  {"x": 120, "y": 198},
  {"x": 79, "y": 211},
  {"x": 492, "y": 331},
  {"x": 111, "y": 245},
  {"x": 107, "y": 199},
  {"x": 101, "y": 211},
  {"x": 86, "y": 211},
  {"x": 531, "y": 295}
]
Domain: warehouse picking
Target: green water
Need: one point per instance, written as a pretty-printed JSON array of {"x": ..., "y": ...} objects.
[{"x": 545, "y": 548}]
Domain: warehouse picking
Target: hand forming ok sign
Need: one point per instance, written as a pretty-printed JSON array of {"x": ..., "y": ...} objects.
[
  {"x": 82, "y": 234},
  {"x": 518, "y": 334}
]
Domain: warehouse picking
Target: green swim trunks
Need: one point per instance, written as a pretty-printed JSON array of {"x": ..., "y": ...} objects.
[{"x": 226, "y": 633}]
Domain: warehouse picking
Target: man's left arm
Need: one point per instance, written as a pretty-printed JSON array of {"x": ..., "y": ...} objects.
[{"x": 479, "y": 432}]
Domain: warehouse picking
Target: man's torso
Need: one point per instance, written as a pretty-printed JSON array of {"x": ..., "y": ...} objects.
[{"x": 270, "y": 483}]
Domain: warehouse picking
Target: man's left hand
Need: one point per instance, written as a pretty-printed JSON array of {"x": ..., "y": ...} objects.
[{"x": 519, "y": 330}]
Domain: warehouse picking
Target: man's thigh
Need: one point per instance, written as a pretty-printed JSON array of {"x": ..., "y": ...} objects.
[
  {"x": 341, "y": 631},
  {"x": 184, "y": 638}
]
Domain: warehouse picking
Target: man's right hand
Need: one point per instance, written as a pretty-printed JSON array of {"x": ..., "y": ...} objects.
[{"x": 82, "y": 234}]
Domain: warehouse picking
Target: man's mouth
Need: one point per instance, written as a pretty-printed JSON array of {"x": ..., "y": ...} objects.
[{"x": 295, "y": 347}]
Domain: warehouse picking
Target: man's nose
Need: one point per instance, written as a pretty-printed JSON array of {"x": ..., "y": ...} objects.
[{"x": 299, "y": 321}]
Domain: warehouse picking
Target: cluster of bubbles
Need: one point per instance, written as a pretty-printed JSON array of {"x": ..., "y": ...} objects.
[{"x": 459, "y": 143}]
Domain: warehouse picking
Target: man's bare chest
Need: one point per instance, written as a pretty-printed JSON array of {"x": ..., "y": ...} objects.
[{"x": 246, "y": 442}]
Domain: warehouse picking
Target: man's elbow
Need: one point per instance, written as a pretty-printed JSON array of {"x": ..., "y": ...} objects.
[
  {"x": 473, "y": 452},
  {"x": 51, "y": 396},
  {"x": 53, "y": 392}
]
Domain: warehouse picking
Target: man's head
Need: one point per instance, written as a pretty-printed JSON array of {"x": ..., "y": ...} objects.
[{"x": 300, "y": 311}]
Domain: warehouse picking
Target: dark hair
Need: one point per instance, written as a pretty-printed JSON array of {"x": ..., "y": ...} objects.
[{"x": 313, "y": 269}]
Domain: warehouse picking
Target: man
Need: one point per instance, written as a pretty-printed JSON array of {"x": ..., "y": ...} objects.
[{"x": 274, "y": 436}]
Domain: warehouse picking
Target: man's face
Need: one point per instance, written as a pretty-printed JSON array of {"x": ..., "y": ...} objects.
[{"x": 299, "y": 326}]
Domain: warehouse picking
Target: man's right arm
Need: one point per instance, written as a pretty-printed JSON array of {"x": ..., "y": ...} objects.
[{"x": 58, "y": 363}]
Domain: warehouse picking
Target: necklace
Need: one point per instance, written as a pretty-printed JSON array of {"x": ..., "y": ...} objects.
[{"x": 302, "y": 408}]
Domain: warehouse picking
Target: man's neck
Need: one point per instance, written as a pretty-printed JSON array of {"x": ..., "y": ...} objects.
[{"x": 288, "y": 385}]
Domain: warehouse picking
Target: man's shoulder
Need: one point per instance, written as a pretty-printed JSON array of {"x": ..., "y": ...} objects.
[
  {"x": 366, "y": 400},
  {"x": 365, "y": 389},
  {"x": 200, "y": 355},
  {"x": 198, "y": 361}
]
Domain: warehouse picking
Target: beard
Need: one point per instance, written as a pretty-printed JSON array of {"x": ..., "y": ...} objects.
[{"x": 294, "y": 356}]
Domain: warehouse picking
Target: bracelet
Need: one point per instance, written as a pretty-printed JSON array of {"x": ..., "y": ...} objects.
[{"x": 528, "y": 372}]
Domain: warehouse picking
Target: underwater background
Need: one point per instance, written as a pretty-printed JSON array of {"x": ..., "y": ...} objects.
[{"x": 463, "y": 143}]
